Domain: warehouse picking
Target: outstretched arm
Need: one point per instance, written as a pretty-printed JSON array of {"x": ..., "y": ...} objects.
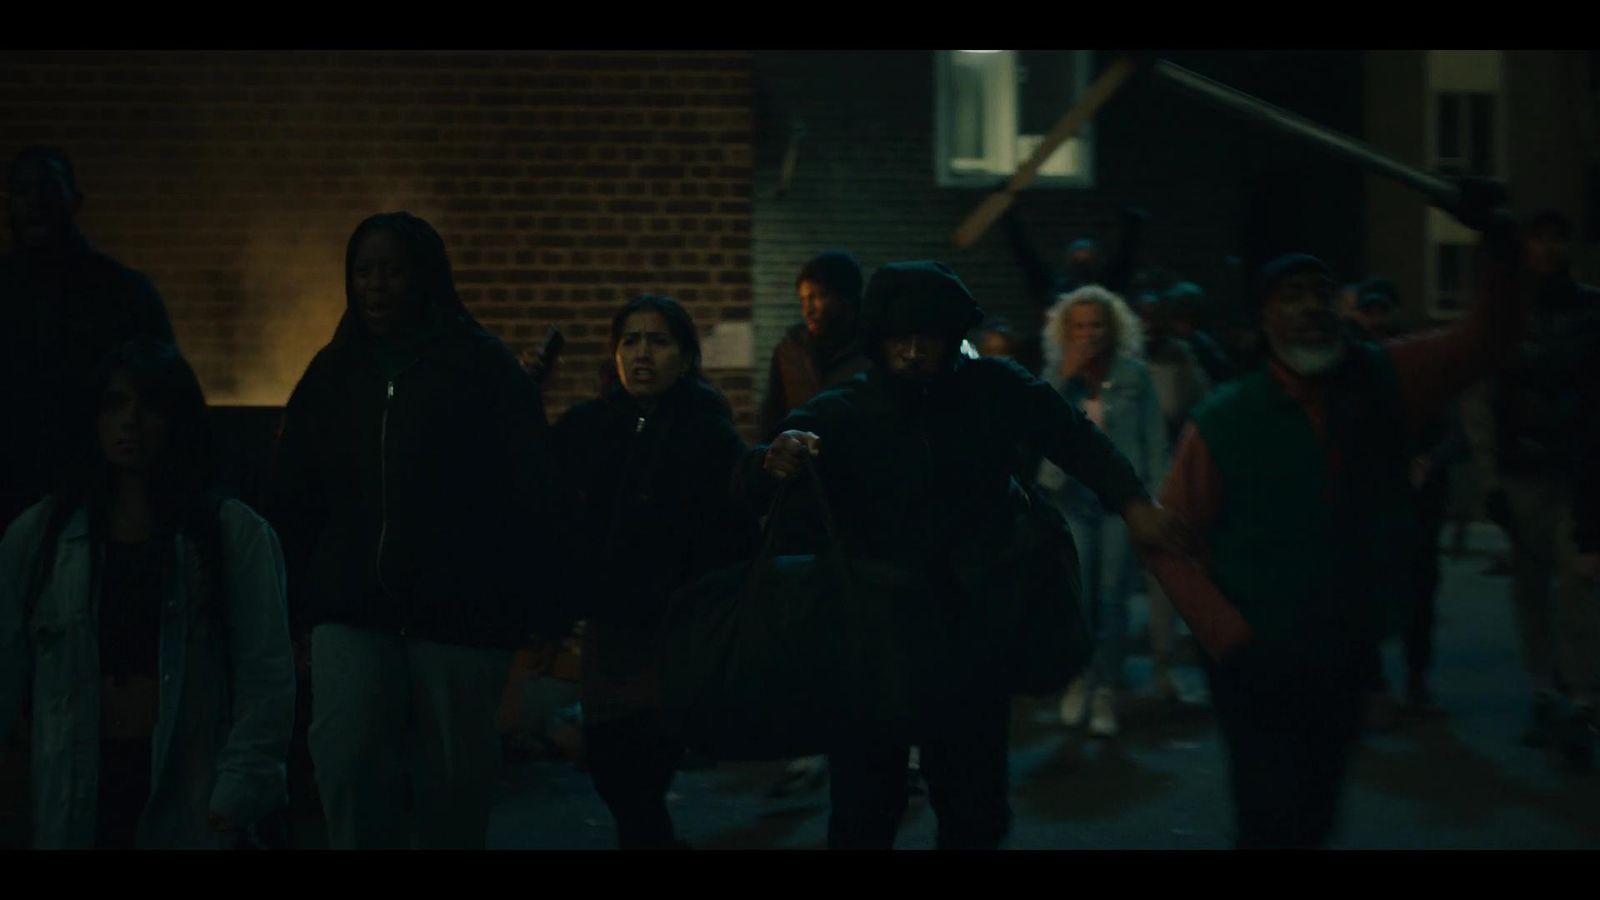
[
  {"x": 1118, "y": 274},
  {"x": 1436, "y": 368},
  {"x": 1194, "y": 491},
  {"x": 1041, "y": 279}
]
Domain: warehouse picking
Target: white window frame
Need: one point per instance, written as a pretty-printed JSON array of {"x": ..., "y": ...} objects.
[
  {"x": 1071, "y": 166},
  {"x": 1448, "y": 72}
]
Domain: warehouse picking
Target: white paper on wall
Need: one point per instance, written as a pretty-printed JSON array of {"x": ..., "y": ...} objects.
[{"x": 729, "y": 345}]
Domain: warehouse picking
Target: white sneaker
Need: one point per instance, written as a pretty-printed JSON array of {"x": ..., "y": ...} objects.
[
  {"x": 1103, "y": 713},
  {"x": 1074, "y": 702},
  {"x": 802, "y": 775}
]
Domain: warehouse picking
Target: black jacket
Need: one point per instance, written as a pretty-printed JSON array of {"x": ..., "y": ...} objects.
[
  {"x": 1586, "y": 508},
  {"x": 62, "y": 311},
  {"x": 1586, "y": 499},
  {"x": 655, "y": 507},
  {"x": 921, "y": 477},
  {"x": 426, "y": 504},
  {"x": 1538, "y": 392},
  {"x": 1586, "y": 504}
]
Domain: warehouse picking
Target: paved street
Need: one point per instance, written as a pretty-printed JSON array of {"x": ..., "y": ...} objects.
[{"x": 1456, "y": 781}]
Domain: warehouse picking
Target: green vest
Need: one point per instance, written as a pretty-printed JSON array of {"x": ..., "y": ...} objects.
[{"x": 1310, "y": 558}]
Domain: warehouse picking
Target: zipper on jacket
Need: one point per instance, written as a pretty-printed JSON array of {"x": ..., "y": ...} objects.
[
  {"x": 383, "y": 484},
  {"x": 383, "y": 481},
  {"x": 639, "y": 429}
]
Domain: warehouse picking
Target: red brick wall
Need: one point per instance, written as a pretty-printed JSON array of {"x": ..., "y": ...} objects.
[{"x": 563, "y": 184}]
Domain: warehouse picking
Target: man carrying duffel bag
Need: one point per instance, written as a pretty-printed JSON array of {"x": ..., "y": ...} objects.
[{"x": 915, "y": 461}]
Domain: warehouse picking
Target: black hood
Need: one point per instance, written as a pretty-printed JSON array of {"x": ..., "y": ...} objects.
[
  {"x": 433, "y": 282},
  {"x": 920, "y": 297}
]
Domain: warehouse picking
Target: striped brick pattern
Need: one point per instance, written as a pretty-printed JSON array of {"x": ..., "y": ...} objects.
[{"x": 563, "y": 184}]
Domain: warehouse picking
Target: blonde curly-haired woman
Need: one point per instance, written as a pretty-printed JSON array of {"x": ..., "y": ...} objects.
[{"x": 1094, "y": 345}]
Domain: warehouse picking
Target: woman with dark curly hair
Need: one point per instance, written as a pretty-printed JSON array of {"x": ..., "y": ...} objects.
[{"x": 147, "y": 614}]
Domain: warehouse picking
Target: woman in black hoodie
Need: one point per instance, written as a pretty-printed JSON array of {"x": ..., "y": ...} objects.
[
  {"x": 415, "y": 494},
  {"x": 651, "y": 459}
]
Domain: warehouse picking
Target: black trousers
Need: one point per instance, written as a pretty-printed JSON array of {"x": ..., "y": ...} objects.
[
  {"x": 1289, "y": 742},
  {"x": 632, "y": 761},
  {"x": 124, "y": 789},
  {"x": 1417, "y": 636},
  {"x": 1432, "y": 501},
  {"x": 964, "y": 762}
]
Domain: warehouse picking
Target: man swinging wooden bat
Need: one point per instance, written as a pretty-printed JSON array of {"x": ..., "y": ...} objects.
[{"x": 1293, "y": 479}]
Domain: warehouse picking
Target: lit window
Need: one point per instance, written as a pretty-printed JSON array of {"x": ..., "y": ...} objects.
[
  {"x": 995, "y": 106},
  {"x": 1466, "y": 136},
  {"x": 1464, "y": 133}
]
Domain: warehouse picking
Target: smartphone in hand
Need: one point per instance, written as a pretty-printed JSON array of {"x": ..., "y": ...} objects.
[{"x": 544, "y": 359}]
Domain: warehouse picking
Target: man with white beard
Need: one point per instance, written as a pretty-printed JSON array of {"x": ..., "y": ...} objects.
[{"x": 1295, "y": 479}]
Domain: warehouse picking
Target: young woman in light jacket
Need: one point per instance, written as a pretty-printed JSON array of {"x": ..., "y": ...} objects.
[
  {"x": 1093, "y": 357},
  {"x": 145, "y": 661}
]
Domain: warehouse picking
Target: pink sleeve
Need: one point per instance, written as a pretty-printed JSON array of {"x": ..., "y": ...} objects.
[
  {"x": 1194, "y": 491},
  {"x": 1435, "y": 367}
]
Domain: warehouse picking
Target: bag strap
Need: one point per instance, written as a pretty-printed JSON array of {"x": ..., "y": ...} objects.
[
  {"x": 825, "y": 513},
  {"x": 820, "y": 496}
]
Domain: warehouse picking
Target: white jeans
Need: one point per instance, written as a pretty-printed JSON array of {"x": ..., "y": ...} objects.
[{"x": 384, "y": 708}]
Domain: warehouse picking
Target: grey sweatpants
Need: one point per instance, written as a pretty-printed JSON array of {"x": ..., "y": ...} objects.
[
  {"x": 388, "y": 711},
  {"x": 1559, "y": 628}
]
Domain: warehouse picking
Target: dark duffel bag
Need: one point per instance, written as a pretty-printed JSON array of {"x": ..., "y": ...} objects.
[
  {"x": 790, "y": 656},
  {"x": 1022, "y": 624}
]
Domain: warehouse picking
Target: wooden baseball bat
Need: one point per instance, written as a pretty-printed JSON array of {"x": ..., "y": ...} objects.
[
  {"x": 1441, "y": 191},
  {"x": 1082, "y": 110}
]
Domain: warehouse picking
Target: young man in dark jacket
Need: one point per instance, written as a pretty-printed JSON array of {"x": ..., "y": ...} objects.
[
  {"x": 415, "y": 492},
  {"x": 823, "y": 351},
  {"x": 819, "y": 353},
  {"x": 1525, "y": 425},
  {"x": 63, "y": 307},
  {"x": 1585, "y": 731},
  {"x": 1586, "y": 508},
  {"x": 1586, "y": 499},
  {"x": 916, "y": 456}
]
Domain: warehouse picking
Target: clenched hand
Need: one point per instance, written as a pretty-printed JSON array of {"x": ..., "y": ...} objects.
[
  {"x": 1155, "y": 528},
  {"x": 786, "y": 457}
]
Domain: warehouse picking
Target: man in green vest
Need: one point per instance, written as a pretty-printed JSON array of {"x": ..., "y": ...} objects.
[{"x": 1295, "y": 478}]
